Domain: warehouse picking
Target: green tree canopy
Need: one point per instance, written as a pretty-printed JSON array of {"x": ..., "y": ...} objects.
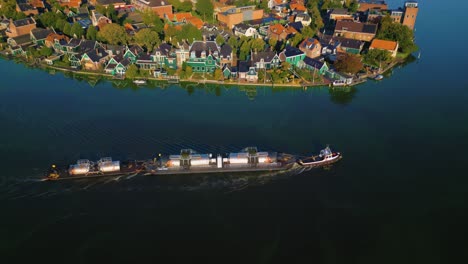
[
  {"x": 147, "y": 38},
  {"x": 113, "y": 34},
  {"x": 220, "y": 40},
  {"x": 91, "y": 33},
  {"x": 205, "y": 9},
  {"x": 152, "y": 20},
  {"x": 258, "y": 44},
  {"x": 131, "y": 72},
  {"x": 294, "y": 41},
  {"x": 67, "y": 28},
  {"x": 77, "y": 30},
  {"x": 45, "y": 51},
  {"x": 190, "y": 33},
  {"x": 349, "y": 63},
  {"x": 390, "y": 30},
  {"x": 376, "y": 56}
]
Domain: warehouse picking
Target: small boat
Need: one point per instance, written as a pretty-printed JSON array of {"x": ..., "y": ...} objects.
[
  {"x": 339, "y": 83},
  {"x": 326, "y": 157},
  {"x": 139, "y": 82},
  {"x": 379, "y": 77}
]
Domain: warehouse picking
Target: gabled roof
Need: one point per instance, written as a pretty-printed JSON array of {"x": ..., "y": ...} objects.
[
  {"x": 24, "y": 22},
  {"x": 314, "y": 63},
  {"x": 22, "y": 40},
  {"x": 277, "y": 29},
  {"x": 196, "y": 21},
  {"x": 96, "y": 55},
  {"x": 226, "y": 50},
  {"x": 73, "y": 42},
  {"x": 87, "y": 45},
  {"x": 180, "y": 16},
  {"x": 40, "y": 33},
  {"x": 350, "y": 43},
  {"x": 267, "y": 56},
  {"x": 339, "y": 11},
  {"x": 309, "y": 43},
  {"x": 165, "y": 49},
  {"x": 207, "y": 46},
  {"x": 243, "y": 66},
  {"x": 298, "y": 7},
  {"x": 352, "y": 26},
  {"x": 384, "y": 44},
  {"x": 144, "y": 57},
  {"x": 296, "y": 25},
  {"x": 135, "y": 49},
  {"x": 53, "y": 36},
  {"x": 292, "y": 51}
]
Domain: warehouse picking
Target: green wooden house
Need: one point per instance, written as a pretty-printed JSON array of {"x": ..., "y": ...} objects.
[
  {"x": 204, "y": 56},
  {"x": 292, "y": 55},
  {"x": 319, "y": 67},
  {"x": 117, "y": 65},
  {"x": 165, "y": 56},
  {"x": 133, "y": 52}
]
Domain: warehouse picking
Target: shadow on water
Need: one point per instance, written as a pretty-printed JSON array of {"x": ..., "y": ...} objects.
[{"x": 342, "y": 95}]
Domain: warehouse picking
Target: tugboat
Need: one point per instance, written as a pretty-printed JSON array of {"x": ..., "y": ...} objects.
[
  {"x": 325, "y": 157},
  {"x": 53, "y": 173}
]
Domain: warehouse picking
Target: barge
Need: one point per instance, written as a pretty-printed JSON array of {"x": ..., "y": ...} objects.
[{"x": 188, "y": 161}]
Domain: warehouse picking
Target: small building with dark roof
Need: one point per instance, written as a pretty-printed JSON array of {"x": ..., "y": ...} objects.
[
  {"x": 355, "y": 30},
  {"x": 292, "y": 55},
  {"x": 38, "y": 35},
  {"x": 265, "y": 60},
  {"x": 315, "y": 65}
]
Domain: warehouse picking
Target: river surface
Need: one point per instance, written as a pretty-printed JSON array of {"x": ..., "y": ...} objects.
[{"x": 399, "y": 195}]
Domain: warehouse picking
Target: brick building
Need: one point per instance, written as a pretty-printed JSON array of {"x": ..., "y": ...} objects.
[
  {"x": 365, "y": 5},
  {"x": 237, "y": 15},
  {"x": 355, "y": 30},
  {"x": 20, "y": 27},
  {"x": 411, "y": 12},
  {"x": 161, "y": 7}
]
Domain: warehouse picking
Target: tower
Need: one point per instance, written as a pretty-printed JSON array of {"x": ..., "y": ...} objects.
[{"x": 411, "y": 12}]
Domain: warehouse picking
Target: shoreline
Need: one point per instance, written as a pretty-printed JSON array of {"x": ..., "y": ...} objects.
[{"x": 357, "y": 81}]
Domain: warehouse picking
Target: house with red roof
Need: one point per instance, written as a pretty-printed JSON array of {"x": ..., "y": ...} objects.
[{"x": 388, "y": 45}]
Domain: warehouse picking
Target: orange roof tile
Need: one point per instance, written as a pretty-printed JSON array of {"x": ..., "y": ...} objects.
[
  {"x": 195, "y": 21},
  {"x": 298, "y": 7},
  {"x": 180, "y": 16},
  {"x": 70, "y": 3},
  {"x": 52, "y": 36},
  {"x": 291, "y": 30},
  {"x": 277, "y": 28},
  {"x": 384, "y": 44}
]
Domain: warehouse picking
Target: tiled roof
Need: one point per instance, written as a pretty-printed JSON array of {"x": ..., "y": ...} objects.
[
  {"x": 350, "y": 43},
  {"x": 243, "y": 66},
  {"x": 197, "y": 22},
  {"x": 199, "y": 46},
  {"x": 298, "y": 7},
  {"x": 296, "y": 25},
  {"x": 40, "y": 33},
  {"x": 384, "y": 44},
  {"x": 267, "y": 56},
  {"x": 24, "y": 22},
  {"x": 51, "y": 37},
  {"x": 70, "y": 3},
  {"x": 313, "y": 63},
  {"x": 309, "y": 43},
  {"x": 292, "y": 51},
  {"x": 277, "y": 29},
  {"x": 156, "y": 3},
  {"x": 352, "y": 26},
  {"x": 226, "y": 50},
  {"x": 180, "y": 16},
  {"x": 165, "y": 49}
]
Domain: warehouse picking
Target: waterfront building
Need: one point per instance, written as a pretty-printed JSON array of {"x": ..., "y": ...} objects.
[
  {"x": 388, "y": 45},
  {"x": 95, "y": 59},
  {"x": 355, "y": 30},
  {"x": 117, "y": 65},
  {"x": 292, "y": 55},
  {"x": 204, "y": 56},
  {"x": 165, "y": 56},
  {"x": 38, "y": 35},
  {"x": 237, "y": 15},
  {"x": 311, "y": 47},
  {"x": 264, "y": 60},
  {"x": 182, "y": 53},
  {"x": 132, "y": 52},
  {"x": 318, "y": 66},
  {"x": 20, "y": 27},
  {"x": 410, "y": 14},
  {"x": 146, "y": 61},
  {"x": 226, "y": 55},
  {"x": 17, "y": 45},
  {"x": 246, "y": 72}
]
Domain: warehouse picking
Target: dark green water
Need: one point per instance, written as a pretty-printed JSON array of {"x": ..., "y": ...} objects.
[{"x": 399, "y": 196}]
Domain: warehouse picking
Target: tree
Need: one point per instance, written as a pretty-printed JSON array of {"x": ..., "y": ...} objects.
[
  {"x": 317, "y": 21},
  {"x": 188, "y": 71},
  {"x": 147, "y": 38},
  {"x": 113, "y": 34},
  {"x": 353, "y": 6},
  {"x": 189, "y": 32},
  {"x": 376, "y": 56},
  {"x": 218, "y": 74},
  {"x": 205, "y": 9},
  {"x": 258, "y": 44},
  {"x": 132, "y": 71},
  {"x": 233, "y": 41},
  {"x": 296, "y": 40},
  {"x": 307, "y": 32},
  {"x": 45, "y": 51},
  {"x": 272, "y": 42},
  {"x": 285, "y": 66},
  {"x": 111, "y": 13},
  {"x": 152, "y": 20},
  {"x": 67, "y": 28},
  {"x": 91, "y": 32},
  {"x": 349, "y": 63},
  {"x": 220, "y": 40},
  {"x": 185, "y": 6},
  {"x": 77, "y": 30},
  {"x": 390, "y": 30}
]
